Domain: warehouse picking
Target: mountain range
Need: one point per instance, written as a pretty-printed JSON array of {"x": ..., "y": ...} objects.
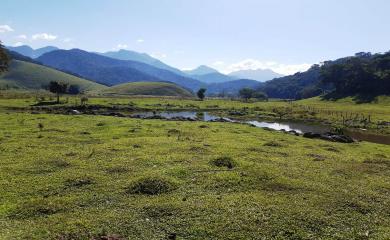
[
  {"x": 30, "y": 52},
  {"x": 111, "y": 71},
  {"x": 261, "y": 75},
  {"x": 123, "y": 66},
  {"x": 140, "y": 57}
]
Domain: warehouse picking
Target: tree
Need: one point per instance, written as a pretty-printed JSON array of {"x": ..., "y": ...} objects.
[
  {"x": 261, "y": 96},
  {"x": 74, "y": 89},
  {"x": 4, "y": 59},
  {"x": 201, "y": 93},
  {"x": 246, "y": 93},
  {"x": 58, "y": 89}
]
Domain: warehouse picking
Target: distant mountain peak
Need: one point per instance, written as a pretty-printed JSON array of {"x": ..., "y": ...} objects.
[
  {"x": 129, "y": 55},
  {"x": 28, "y": 51},
  {"x": 261, "y": 75},
  {"x": 201, "y": 70}
]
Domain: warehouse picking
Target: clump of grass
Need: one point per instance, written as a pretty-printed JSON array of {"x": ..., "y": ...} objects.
[
  {"x": 79, "y": 182},
  {"x": 203, "y": 126},
  {"x": 100, "y": 124},
  {"x": 279, "y": 187},
  {"x": 224, "y": 162},
  {"x": 37, "y": 208},
  {"x": 59, "y": 163},
  {"x": 378, "y": 162},
  {"x": 159, "y": 211},
  {"x": 151, "y": 186},
  {"x": 316, "y": 157},
  {"x": 173, "y": 132},
  {"x": 116, "y": 170},
  {"x": 40, "y": 127},
  {"x": 273, "y": 144}
]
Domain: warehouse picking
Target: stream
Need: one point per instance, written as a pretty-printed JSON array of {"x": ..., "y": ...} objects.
[{"x": 299, "y": 127}]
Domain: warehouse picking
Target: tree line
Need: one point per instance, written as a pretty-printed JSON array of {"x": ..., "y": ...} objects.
[{"x": 362, "y": 75}]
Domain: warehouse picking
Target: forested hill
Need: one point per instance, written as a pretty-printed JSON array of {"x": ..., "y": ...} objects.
[{"x": 362, "y": 74}]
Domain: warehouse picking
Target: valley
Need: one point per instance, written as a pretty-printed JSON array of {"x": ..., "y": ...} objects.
[{"x": 178, "y": 120}]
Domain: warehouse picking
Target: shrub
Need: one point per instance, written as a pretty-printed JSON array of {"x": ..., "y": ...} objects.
[
  {"x": 224, "y": 162},
  {"x": 151, "y": 186}
]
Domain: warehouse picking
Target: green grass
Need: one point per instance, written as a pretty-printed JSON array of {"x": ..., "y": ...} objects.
[
  {"x": 148, "y": 88},
  {"x": 24, "y": 75},
  {"x": 84, "y": 177},
  {"x": 310, "y": 110},
  {"x": 379, "y": 108}
]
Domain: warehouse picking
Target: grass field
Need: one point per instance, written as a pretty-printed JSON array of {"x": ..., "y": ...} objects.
[
  {"x": 85, "y": 177},
  {"x": 344, "y": 113},
  {"x": 148, "y": 88}
]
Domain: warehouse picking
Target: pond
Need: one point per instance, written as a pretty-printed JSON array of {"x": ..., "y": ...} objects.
[{"x": 299, "y": 127}]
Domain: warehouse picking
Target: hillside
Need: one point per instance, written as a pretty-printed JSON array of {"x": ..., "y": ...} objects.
[
  {"x": 111, "y": 71},
  {"x": 140, "y": 57},
  {"x": 293, "y": 86},
  {"x": 26, "y": 75},
  {"x": 148, "y": 88}
]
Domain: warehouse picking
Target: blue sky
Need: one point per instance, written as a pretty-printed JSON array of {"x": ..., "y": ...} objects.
[{"x": 284, "y": 35}]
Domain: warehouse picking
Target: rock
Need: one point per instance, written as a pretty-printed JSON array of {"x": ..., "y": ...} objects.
[
  {"x": 342, "y": 138},
  {"x": 75, "y": 112},
  {"x": 330, "y": 137},
  {"x": 221, "y": 119},
  {"x": 311, "y": 135},
  {"x": 293, "y": 132}
]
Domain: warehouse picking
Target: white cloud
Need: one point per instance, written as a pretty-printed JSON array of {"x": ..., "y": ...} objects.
[
  {"x": 22, "y": 36},
  {"x": 253, "y": 64},
  {"x": 5, "y": 28},
  {"x": 17, "y": 44},
  {"x": 158, "y": 55},
  {"x": 44, "y": 36},
  {"x": 140, "y": 40}
]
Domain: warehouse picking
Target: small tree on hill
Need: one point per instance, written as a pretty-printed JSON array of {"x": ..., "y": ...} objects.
[
  {"x": 201, "y": 93},
  {"x": 4, "y": 59},
  {"x": 58, "y": 89},
  {"x": 246, "y": 93},
  {"x": 74, "y": 89}
]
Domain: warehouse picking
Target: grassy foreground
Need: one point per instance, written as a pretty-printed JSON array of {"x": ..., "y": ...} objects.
[{"x": 90, "y": 177}]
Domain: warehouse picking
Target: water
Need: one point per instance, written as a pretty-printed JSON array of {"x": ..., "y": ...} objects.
[
  {"x": 203, "y": 116},
  {"x": 292, "y": 126},
  {"x": 299, "y": 127}
]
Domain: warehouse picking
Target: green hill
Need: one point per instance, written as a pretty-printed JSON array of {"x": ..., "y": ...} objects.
[
  {"x": 148, "y": 88},
  {"x": 25, "y": 75}
]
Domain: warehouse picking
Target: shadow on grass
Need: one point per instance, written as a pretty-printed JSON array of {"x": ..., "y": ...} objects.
[
  {"x": 45, "y": 103},
  {"x": 359, "y": 98}
]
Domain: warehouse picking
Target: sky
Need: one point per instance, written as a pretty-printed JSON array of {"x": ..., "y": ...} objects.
[{"x": 283, "y": 35}]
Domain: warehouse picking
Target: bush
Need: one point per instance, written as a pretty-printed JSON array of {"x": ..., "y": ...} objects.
[
  {"x": 224, "y": 162},
  {"x": 151, "y": 186}
]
